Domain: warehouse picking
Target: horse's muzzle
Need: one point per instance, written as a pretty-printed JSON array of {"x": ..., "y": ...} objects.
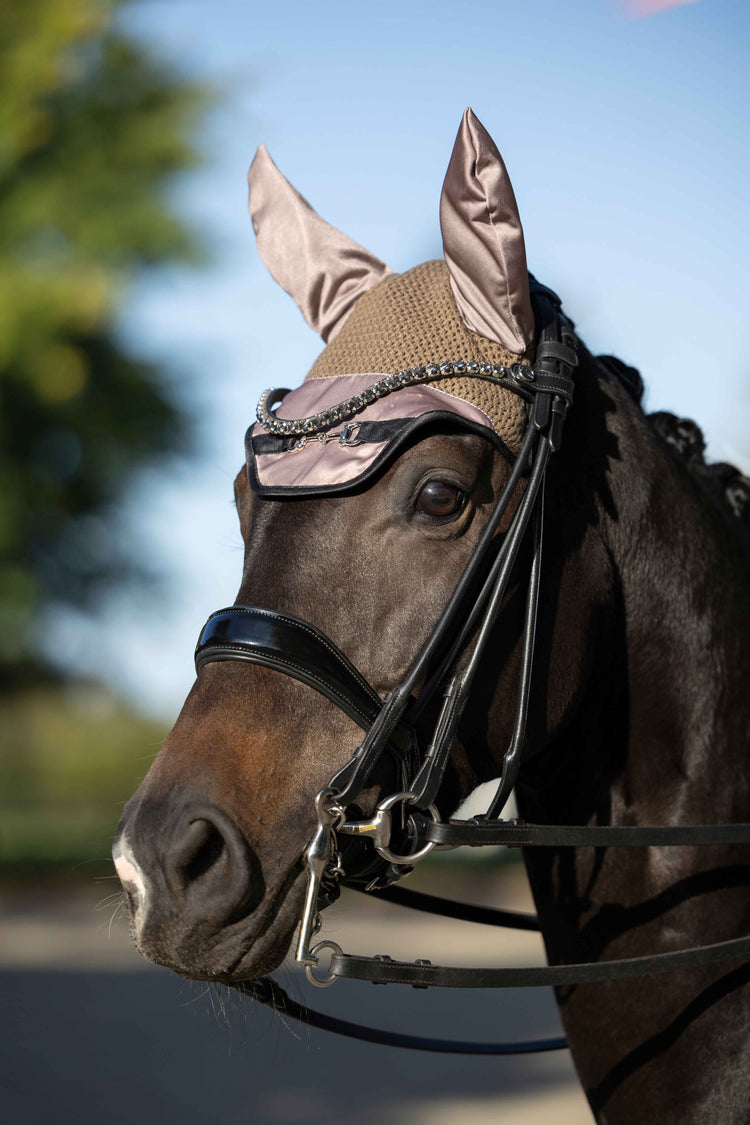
[{"x": 191, "y": 879}]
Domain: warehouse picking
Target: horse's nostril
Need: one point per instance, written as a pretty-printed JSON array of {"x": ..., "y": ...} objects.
[
  {"x": 195, "y": 874},
  {"x": 200, "y": 850}
]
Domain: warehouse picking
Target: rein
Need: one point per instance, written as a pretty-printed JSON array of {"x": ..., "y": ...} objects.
[{"x": 406, "y": 825}]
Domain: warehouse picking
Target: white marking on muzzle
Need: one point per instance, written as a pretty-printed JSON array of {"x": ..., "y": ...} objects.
[{"x": 132, "y": 879}]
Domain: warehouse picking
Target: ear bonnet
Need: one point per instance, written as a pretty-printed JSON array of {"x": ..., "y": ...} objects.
[{"x": 450, "y": 337}]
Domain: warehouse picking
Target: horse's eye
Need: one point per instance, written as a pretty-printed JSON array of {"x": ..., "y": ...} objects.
[{"x": 438, "y": 499}]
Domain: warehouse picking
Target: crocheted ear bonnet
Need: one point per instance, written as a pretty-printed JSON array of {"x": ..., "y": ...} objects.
[
  {"x": 444, "y": 338},
  {"x": 410, "y": 320}
]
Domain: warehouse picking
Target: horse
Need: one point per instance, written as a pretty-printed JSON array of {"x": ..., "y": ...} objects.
[{"x": 637, "y": 710}]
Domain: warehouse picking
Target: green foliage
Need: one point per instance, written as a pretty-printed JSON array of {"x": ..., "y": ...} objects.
[
  {"x": 69, "y": 759},
  {"x": 93, "y": 132}
]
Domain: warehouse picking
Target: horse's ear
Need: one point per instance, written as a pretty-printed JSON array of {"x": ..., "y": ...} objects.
[
  {"x": 321, "y": 269},
  {"x": 483, "y": 240}
]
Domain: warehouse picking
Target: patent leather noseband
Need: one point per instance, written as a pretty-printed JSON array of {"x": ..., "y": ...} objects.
[{"x": 292, "y": 646}]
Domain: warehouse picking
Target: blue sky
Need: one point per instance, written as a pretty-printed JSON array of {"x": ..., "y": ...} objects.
[{"x": 627, "y": 143}]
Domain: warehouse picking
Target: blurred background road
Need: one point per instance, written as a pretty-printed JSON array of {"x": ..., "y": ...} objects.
[
  {"x": 91, "y": 1034},
  {"x": 137, "y": 329}
]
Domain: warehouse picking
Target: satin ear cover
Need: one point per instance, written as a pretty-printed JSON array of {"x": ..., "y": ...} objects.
[
  {"x": 483, "y": 241},
  {"x": 322, "y": 270},
  {"x": 326, "y": 273}
]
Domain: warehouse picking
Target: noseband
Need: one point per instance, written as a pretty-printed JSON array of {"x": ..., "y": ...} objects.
[{"x": 409, "y": 767}]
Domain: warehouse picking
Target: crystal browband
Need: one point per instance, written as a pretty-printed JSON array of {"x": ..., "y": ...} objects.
[{"x": 516, "y": 378}]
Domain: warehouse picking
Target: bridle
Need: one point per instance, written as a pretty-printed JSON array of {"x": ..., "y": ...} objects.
[{"x": 406, "y": 826}]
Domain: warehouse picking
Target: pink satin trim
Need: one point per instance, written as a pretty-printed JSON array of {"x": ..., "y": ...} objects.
[
  {"x": 483, "y": 241},
  {"x": 320, "y": 268},
  {"x": 317, "y": 464}
]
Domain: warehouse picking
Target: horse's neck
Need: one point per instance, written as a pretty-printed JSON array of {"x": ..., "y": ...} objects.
[
  {"x": 686, "y": 628},
  {"x": 659, "y": 735},
  {"x": 662, "y": 724}
]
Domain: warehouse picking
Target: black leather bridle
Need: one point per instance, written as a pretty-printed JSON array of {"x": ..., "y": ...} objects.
[{"x": 406, "y": 825}]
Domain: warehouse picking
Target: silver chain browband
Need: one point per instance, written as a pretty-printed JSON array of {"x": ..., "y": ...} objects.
[{"x": 516, "y": 378}]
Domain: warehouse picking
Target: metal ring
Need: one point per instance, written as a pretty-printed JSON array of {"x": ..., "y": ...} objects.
[
  {"x": 322, "y": 982},
  {"x": 326, "y": 805},
  {"x": 393, "y": 857}
]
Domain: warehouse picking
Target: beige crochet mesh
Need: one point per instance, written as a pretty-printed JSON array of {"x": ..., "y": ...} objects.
[{"x": 410, "y": 319}]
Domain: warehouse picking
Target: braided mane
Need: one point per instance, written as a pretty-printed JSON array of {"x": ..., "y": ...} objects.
[{"x": 724, "y": 485}]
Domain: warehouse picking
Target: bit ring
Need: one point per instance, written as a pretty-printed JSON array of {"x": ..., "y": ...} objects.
[
  {"x": 394, "y": 857},
  {"x": 322, "y": 982}
]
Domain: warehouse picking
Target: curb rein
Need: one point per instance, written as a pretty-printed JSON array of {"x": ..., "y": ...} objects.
[{"x": 298, "y": 649}]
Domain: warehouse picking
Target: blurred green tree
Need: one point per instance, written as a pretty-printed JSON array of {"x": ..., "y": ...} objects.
[{"x": 93, "y": 129}]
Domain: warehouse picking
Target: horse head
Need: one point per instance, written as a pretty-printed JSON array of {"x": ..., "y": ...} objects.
[{"x": 364, "y": 541}]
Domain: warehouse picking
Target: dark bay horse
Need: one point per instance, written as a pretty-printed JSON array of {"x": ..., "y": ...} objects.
[{"x": 639, "y": 707}]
